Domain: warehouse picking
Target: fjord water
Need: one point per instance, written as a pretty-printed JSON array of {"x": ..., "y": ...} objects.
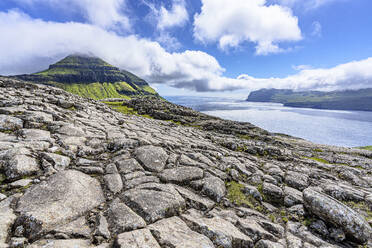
[{"x": 331, "y": 127}]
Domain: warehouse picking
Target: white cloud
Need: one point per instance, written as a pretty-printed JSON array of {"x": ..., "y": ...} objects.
[
  {"x": 103, "y": 13},
  {"x": 176, "y": 16},
  {"x": 230, "y": 23},
  {"x": 317, "y": 29},
  {"x": 25, "y": 40},
  {"x": 29, "y": 45}
]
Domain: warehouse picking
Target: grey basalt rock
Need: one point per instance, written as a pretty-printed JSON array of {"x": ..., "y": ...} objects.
[
  {"x": 221, "y": 232},
  {"x": 338, "y": 214},
  {"x": 7, "y": 217},
  {"x": 212, "y": 186},
  {"x": 59, "y": 162},
  {"x": 297, "y": 180},
  {"x": 9, "y": 123},
  {"x": 135, "y": 239},
  {"x": 63, "y": 243},
  {"x": 173, "y": 232},
  {"x": 152, "y": 158},
  {"x": 154, "y": 201},
  {"x": 76, "y": 228},
  {"x": 181, "y": 175},
  {"x": 272, "y": 192},
  {"x": 21, "y": 165},
  {"x": 113, "y": 182},
  {"x": 122, "y": 218},
  {"x": 64, "y": 196}
]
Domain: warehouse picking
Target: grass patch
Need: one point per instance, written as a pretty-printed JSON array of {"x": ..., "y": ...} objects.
[
  {"x": 235, "y": 195},
  {"x": 369, "y": 148},
  {"x": 318, "y": 160},
  {"x": 2, "y": 178},
  {"x": 118, "y": 106}
]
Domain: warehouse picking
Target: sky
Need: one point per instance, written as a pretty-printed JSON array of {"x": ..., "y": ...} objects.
[{"x": 198, "y": 47}]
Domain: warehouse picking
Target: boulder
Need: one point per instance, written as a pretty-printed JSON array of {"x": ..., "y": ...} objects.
[
  {"x": 181, "y": 175},
  {"x": 211, "y": 186},
  {"x": 195, "y": 200},
  {"x": 10, "y": 123},
  {"x": 7, "y": 217},
  {"x": 272, "y": 192},
  {"x": 63, "y": 243},
  {"x": 173, "y": 232},
  {"x": 78, "y": 227},
  {"x": 292, "y": 196},
  {"x": 113, "y": 182},
  {"x": 154, "y": 201},
  {"x": 59, "y": 162},
  {"x": 153, "y": 158},
  {"x": 221, "y": 232},
  {"x": 338, "y": 214},
  {"x": 20, "y": 166},
  {"x": 122, "y": 218},
  {"x": 64, "y": 196},
  {"x": 297, "y": 180},
  {"x": 135, "y": 239},
  {"x": 128, "y": 165}
]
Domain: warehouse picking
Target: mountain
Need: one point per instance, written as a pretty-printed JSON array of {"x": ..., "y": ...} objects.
[
  {"x": 337, "y": 100},
  {"x": 76, "y": 173},
  {"x": 91, "y": 77}
]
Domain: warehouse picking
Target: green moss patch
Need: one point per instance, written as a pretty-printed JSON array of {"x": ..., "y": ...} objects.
[
  {"x": 318, "y": 160},
  {"x": 235, "y": 195},
  {"x": 118, "y": 106},
  {"x": 369, "y": 148},
  {"x": 2, "y": 178}
]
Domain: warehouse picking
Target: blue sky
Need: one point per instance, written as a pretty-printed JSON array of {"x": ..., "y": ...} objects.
[{"x": 210, "y": 47}]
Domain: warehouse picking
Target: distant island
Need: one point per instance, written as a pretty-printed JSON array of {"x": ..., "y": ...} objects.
[{"x": 360, "y": 100}]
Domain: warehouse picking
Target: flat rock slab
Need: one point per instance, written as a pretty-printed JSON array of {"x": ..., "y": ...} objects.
[
  {"x": 7, "y": 218},
  {"x": 59, "y": 162},
  {"x": 128, "y": 165},
  {"x": 136, "y": 239},
  {"x": 154, "y": 201},
  {"x": 64, "y": 243},
  {"x": 113, "y": 182},
  {"x": 195, "y": 200},
  {"x": 64, "y": 196},
  {"x": 211, "y": 186},
  {"x": 153, "y": 158},
  {"x": 333, "y": 211},
  {"x": 221, "y": 232},
  {"x": 76, "y": 228},
  {"x": 21, "y": 165},
  {"x": 181, "y": 175},
  {"x": 123, "y": 218},
  {"x": 9, "y": 123},
  {"x": 173, "y": 232}
]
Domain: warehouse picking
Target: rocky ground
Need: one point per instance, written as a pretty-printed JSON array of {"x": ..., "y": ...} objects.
[{"x": 75, "y": 173}]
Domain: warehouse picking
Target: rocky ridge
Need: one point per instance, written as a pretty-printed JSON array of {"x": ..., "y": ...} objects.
[
  {"x": 91, "y": 77},
  {"x": 76, "y": 173}
]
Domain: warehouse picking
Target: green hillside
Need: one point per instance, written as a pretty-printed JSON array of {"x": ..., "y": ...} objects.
[
  {"x": 337, "y": 100},
  {"x": 91, "y": 77}
]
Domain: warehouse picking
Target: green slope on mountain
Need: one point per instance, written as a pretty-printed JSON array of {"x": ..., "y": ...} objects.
[
  {"x": 91, "y": 77},
  {"x": 338, "y": 100}
]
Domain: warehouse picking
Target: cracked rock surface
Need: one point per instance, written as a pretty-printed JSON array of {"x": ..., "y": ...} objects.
[{"x": 76, "y": 173}]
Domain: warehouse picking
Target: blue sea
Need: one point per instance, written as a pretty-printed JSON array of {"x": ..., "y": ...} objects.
[{"x": 330, "y": 127}]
